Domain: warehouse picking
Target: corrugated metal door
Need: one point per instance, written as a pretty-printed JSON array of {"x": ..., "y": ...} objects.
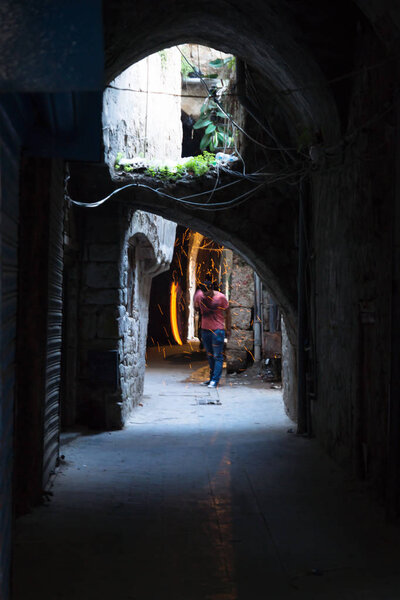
[
  {"x": 38, "y": 329},
  {"x": 51, "y": 417},
  {"x": 9, "y": 190},
  {"x": 51, "y": 425}
]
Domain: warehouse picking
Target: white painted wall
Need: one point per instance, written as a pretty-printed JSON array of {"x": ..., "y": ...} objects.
[{"x": 143, "y": 116}]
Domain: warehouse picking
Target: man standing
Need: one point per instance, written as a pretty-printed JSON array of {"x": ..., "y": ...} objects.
[{"x": 215, "y": 326}]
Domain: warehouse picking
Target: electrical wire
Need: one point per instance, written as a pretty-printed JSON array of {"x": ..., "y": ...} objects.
[
  {"x": 269, "y": 178},
  {"x": 198, "y": 205},
  {"x": 227, "y": 115},
  {"x": 123, "y": 89},
  {"x": 286, "y": 150},
  {"x": 183, "y": 199}
]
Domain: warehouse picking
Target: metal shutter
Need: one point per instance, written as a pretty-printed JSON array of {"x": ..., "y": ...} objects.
[
  {"x": 9, "y": 190},
  {"x": 51, "y": 417}
]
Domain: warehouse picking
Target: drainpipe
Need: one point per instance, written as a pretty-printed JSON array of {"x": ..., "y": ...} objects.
[
  {"x": 257, "y": 322},
  {"x": 302, "y": 407},
  {"x": 261, "y": 304}
]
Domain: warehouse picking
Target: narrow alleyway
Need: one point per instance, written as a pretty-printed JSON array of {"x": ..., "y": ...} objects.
[{"x": 201, "y": 501}]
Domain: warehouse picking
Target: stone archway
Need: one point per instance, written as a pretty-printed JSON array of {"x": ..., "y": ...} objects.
[
  {"x": 146, "y": 252},
  {"x": 283, "y": 43},
  {"x": 122, "y": 250}
]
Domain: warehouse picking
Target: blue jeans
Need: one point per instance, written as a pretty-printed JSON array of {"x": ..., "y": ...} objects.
[{"x": 213, "y": 342}]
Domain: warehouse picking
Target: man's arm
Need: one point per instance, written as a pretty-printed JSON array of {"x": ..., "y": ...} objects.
[{"x": 228, "y": 327}]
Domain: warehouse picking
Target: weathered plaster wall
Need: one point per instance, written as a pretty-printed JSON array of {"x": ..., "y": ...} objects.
[
  {"x": 142, "y": 118},
  {"x": 193, "y": 90}
]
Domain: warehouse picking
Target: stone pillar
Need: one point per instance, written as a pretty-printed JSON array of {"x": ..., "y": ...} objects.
[{"x": 289, "y": 374}]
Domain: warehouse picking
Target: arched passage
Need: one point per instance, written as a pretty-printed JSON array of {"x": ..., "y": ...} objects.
[
  {"x": 289, "y": 46},
  {"x": 262, "y": 34},
  {"x": 263, "y": 230}
]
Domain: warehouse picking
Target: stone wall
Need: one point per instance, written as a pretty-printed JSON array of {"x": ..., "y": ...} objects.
[
  {"x": 193, "y": 90},
  {"x": 142, "y": 110},
  {"x": 352, "y": 266},
  {"x": 289, "y": 375},
  {"x": 241, "y": 343},
  {"x": 124, "y": 249},
  {"x": 147, "y": 251},
  {"x": 97, "y": 396}
]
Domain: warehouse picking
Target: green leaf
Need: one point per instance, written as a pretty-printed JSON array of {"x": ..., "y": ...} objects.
[
  {"x": 202, "y": 122},
  {"x": 205, "y": 140},
  {"x": 210, "y": 128},
  {"x": 222, "y": 137},
  {"x": 217, "y": 63}
]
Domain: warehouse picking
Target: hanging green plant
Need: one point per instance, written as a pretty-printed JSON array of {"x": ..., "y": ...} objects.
[
  {"x": 216, "y": 124},
  {"x": 216, "y": 129}
]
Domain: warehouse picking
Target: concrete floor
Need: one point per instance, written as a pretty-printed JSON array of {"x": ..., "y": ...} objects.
[{"x": 199, "y": 501}]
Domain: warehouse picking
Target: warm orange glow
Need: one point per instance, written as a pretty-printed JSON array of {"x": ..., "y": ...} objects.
[{"x": 173, "y": 315}]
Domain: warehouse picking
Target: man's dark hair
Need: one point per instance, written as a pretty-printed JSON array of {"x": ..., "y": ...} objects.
[{"x": 209, "y": 285}]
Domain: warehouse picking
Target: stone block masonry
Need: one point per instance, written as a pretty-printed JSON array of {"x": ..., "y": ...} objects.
[
  {"x": 115, "y": 286},
  {"x": 241, "y": 342},
  {"x": 123, "y": 248}
]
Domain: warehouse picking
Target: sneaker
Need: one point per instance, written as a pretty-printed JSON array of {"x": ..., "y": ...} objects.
[
  {"x": 205, "y": 383},
  {"x": 212, "y": 384}
]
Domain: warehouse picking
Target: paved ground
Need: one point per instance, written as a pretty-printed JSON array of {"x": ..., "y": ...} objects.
[{"x": 199, "y": 501}]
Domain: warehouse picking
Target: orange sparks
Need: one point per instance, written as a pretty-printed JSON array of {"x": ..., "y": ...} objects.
[
  {"x": 159, "y": 308},
  {"x": 163, "y": 351},
  {"x": 173, "y": 313},
  {"x": 180, "y": 266},
  {"x": 251, "y": 354}
]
